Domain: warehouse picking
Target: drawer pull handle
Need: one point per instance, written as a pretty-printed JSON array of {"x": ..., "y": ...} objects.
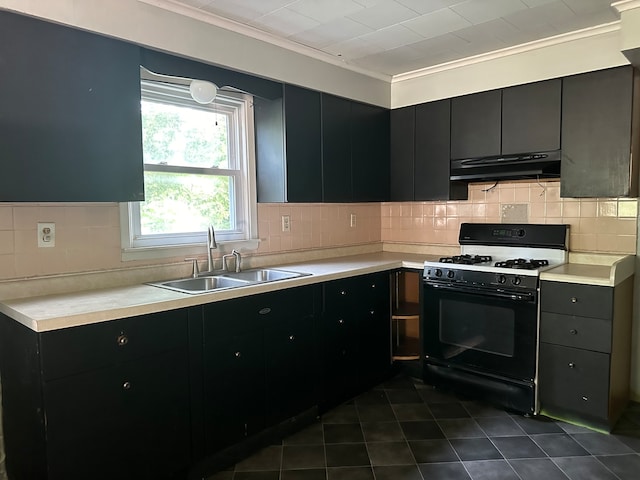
[
  {"x": 573, "y": 331},
  {"x": 238, "y": 354},
  {"x": 372, "y": 312},
  {"x": 343, "y": 292},
  {"x": 373, "y": 285},
  {"x": 574, "y": 300},
  {"x": 264, "y": 311},
  {"x": 292, "y": 337},
  {"x": 341, "y": 321},
  {"x": 122, "y": 340},
  {"x": 572, "y": 365},
  {"x": 586, "y": 399},
  {"x": 126, "y": 386}
]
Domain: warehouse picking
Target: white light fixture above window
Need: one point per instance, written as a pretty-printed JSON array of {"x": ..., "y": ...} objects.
[{"x": 202, "y": 91}]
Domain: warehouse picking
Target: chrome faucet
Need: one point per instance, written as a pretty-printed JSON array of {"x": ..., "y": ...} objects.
[
  {"x": 238, "y": 259},
  {"x": 211, "y": 244}
]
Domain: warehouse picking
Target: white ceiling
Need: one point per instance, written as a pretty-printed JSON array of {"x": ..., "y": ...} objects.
[{"x": 390, "y": 37}]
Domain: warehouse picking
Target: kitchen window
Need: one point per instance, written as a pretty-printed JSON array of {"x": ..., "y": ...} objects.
[{"x": 199, "y": 169}]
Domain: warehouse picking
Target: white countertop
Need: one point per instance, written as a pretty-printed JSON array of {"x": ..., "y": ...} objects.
[{"x": 52, "y": 312}]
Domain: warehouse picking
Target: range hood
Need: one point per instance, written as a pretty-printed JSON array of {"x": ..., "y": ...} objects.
[{"x": 507, "y": 167}]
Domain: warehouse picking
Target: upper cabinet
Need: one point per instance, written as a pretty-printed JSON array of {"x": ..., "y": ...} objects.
[
  {"x": 70, "y": 117},
  {"x": 475, "y": 125},
  {"x": 336, "y": 149},
  {"x": 420, "y": 155},
  {"x": 600, "y": 118},
  {"x": 531, "y": 117},
  {"x": 511, "y": 121}
]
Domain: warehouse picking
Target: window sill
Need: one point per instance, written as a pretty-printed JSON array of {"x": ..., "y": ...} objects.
[{"x": 150, "y": 253}]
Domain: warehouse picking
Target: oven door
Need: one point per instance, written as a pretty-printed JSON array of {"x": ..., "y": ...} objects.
[{"x": 485, "y": 331}]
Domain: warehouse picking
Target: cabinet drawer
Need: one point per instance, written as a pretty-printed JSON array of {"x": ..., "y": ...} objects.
[
  {"x": 256, "y": 311},
  {"x": 575, "y": 299},
  {"x": 357, "y": 293},
  {"x": 574, "y": 380},
  {"x": 573, "y": 331},
  {"x": 81, "y": 349}
]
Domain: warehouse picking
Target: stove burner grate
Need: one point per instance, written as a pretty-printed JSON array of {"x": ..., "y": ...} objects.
[
  {"x": 466, "y": 259},
  {"x": 522, "y": 264}
]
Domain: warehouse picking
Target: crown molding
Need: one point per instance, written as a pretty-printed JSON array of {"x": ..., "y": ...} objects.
[
  {"x": 624, "y": 5},
  {"x": 261, "y": 35}
]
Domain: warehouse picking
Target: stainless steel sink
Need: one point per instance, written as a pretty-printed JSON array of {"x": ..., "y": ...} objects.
[
  {"x": 202, "y": 284},
  {"x": 210, "y": 283},
  {"x": 262, "y": 275}
]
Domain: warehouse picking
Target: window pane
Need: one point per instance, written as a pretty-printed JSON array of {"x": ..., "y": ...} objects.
[
  {"x": 180, "y": 203},
  {"x": 184, "y": 136}
]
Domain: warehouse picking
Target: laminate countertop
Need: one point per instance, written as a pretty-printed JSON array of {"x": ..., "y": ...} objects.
[{"x": 53, "y": 312}]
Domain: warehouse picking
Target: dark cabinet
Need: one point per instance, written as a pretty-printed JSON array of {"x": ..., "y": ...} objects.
[
  {"x": 356, "y": 337},
  {"x": 355, "y": 151},
  {"x": 420, "y": 154},
  {"x": 476, "y": 125},
  {"x": 70, "y": 117},
  {"x": 531, "y": 117},
  {"x": 258, "y": 363},
  {"x": 600, "y": 118},
  {"x": 117, "y": 407},
  {"x": 585, "y": 350}
]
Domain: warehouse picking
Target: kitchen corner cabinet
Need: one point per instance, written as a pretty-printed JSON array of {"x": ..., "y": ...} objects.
[
  {"x": 70, "y": 116},
  {"x": 355, "y": 336},
  {"x": 600, "y": 133},
  {"x": 103, "y": 401},
  {"x": 258, "y": 363},
  {"x": 355, "y": 151},
  {"x": 420, "y": 154},
  {"x": 585, "y": 351}
]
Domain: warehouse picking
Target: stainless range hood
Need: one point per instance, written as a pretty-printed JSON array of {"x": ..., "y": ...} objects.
[{"x": 509, "y": 167}]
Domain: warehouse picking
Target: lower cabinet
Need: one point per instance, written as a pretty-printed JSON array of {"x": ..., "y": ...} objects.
[
  {"x": 103, "y": 401},
  {"x": 355, "y": 335},
  {"x": 585, "y": 351}
]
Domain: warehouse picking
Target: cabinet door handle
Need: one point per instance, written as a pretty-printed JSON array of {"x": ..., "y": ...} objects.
[
  {"x": 238, "y": 354},
  {"x": 573, "y": 331},
  {"x": 264, "y": 311},
  {"x": 574, "y": 300},
  {"x": 343, "y": 292},
  {"x": 122, "y": 340},
  {"x": 292, "y": 337},
  {"x": 341, "y": 321},
  {"x": 126, "y": 386},
  {"x": 572, "y": 365},
  {"x": 372, "y": 312},
  {"x": 585, "y": 398},
  {"x": 373, "y": 285}
]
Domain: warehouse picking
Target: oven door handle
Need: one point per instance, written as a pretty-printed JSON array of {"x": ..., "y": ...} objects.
[{"x": 514, "y": 296}]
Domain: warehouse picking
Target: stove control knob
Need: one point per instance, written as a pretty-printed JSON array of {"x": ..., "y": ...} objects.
[
  {"x": 516, "y": 280},
  {"x": 438, "y": 272},
  {"x": 502, "y": 279},
  {"x": 451, "y": 274}
]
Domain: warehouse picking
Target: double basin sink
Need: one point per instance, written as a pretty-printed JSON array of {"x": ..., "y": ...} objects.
[{"x": 211, "y": 282}]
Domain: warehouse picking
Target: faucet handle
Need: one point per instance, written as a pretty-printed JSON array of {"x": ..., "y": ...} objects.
[{"x": 196, "y": 271}]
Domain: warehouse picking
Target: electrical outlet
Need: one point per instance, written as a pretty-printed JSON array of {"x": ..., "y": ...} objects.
[
  {"x": 353, "y": 220},
  {"x": 46, "y": 235},
  {"x": 286, "y": 223}
]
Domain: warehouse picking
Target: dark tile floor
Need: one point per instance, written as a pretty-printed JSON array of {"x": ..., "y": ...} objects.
[{"x": 404, "y": 430}]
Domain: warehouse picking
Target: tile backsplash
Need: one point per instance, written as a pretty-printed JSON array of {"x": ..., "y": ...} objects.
[{"x": 88, "y": 235}]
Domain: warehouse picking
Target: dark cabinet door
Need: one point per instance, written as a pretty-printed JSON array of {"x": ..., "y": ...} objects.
[
  {"x": 476, "y": 125},
  {"x": 432, "y": 154},
  {"x": 336, "y": 149},
  {"x": 596, "y": 134},
  {"x": 402, "y": 154},
  {"x": 290, "y": 368},
  {"x": 128, "y": 422},
  {"x": 70, "y": 118},
  {"x": 303, "y": 144},
  {"x": 374, "y": 329},
  {"x": 531, "y": 117},
  {"x": 369, "y": 152},
  {"x": 233, "y": 387}
]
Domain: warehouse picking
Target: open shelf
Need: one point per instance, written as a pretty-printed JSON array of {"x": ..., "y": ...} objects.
[{"x": 405, "y": 316}]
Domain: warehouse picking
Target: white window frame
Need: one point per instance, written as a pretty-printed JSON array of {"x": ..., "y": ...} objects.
[{"x": 241, "y": 144}]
